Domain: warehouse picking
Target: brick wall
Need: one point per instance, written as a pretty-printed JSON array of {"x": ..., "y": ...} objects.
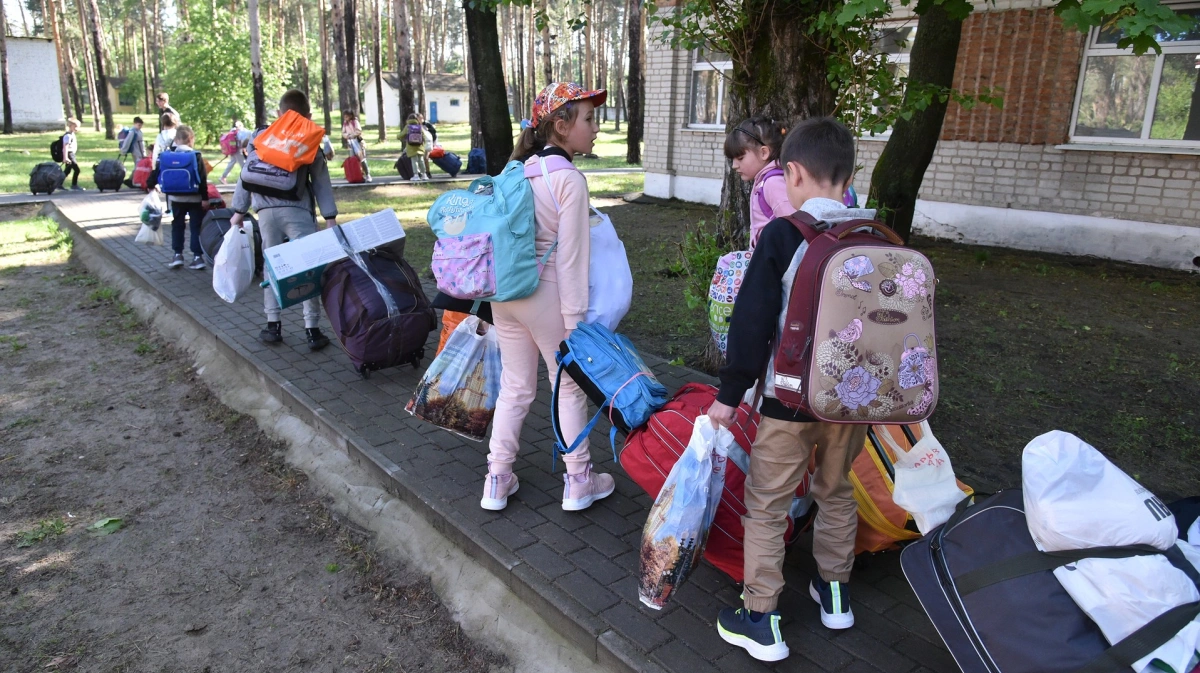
[{"x": 1034, "y": 59}]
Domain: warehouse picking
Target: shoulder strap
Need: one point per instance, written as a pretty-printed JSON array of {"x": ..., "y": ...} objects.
[{"x": 806, "y": 224}]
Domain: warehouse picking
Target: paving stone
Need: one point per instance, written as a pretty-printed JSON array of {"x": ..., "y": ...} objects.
[
  {"x": 875, "y": 652},
  {"x": 555, "y": 537},
  {"x": 676, "y": 656},
  {"x": 636, "y": 626},
  {"x": 609, "y": 520},
  {"x": 569, "y": 521},
  {"x": 507, "y": 534},
  {"x": 600, "y": 568},
  {"x": 930, "y": 656},
  {"x": 580, "y": 586},
  {"x": 699, "y": 634},
  {"x": 545, "y": 560},
  {"x": 601, "y": 540}
]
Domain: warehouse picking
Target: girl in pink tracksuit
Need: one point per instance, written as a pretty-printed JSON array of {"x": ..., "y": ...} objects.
[
  {"x": 563, "y": 124},
  {"x": 753, "y": 147}
]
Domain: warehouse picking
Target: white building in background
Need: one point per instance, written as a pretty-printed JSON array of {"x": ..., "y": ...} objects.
[
  {"x": 34, "y": 87},
  {"x": 447, "y": 99}
]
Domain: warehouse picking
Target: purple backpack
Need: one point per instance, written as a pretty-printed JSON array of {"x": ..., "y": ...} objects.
[
  {"x": 415, "y": 135},
  {"x": 378, "y": 310}
]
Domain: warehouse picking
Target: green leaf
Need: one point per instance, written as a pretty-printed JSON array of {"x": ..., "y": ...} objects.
[{"x": 106, "y": 526}]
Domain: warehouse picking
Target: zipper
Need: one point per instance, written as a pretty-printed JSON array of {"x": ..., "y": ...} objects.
[{"x": 946, "y": 579}]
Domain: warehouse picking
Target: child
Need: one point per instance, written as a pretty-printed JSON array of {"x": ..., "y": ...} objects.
[
  {"x": 166, "y": 137},
  {"x": 279, "y": 217},
  {"x": 352, "y": 134},
  {"x": 753, "y": 146},
  {"x": 238, "y": 158},
  {"x": 562, "y": 125},
  {"x": 818, "y": 161},
  {"x": 70, "y": 143},
  {"x": 135, "y": 142},
  {"x": 416, "y": 140},
  {"x": 187, "y": 210}
]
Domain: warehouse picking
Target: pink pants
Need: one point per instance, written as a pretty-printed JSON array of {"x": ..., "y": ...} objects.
[{"x": 526, "y": 327}]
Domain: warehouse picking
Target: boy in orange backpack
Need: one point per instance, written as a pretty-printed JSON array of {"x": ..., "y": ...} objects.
[{"x": 818, "y": 162}]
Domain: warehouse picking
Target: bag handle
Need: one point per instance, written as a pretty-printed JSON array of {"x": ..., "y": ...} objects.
[
  {"x": 359, "y": 261},
  {"x": 560, "y": 444},
  {"x": 905, "y": 344},
  {"x": 846, "y": 228}
]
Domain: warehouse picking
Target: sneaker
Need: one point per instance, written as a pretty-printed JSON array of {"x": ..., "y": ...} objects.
[
  {"x": 761, "y": 639},
  {"x": 272, "y": 333},
  {"x": 77, "y": 188},
  {"x": 176, "y": 261},
  {"x": 496, "y": 489},
  {"x": 197, "y": 263},
  {"x": 316, "y": 340},
  {"x": 834, "y": 598},
  {"x": 585, "y": 488}
]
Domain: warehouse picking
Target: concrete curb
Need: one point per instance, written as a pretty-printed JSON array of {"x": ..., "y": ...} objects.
[{"x": 569, "y": 618}]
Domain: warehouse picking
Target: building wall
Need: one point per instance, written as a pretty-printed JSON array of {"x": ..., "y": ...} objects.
[
  {"x": 989, "y": 162},
  {"x": 34, "y": 85},
  {"x": 447, "y": 114}
]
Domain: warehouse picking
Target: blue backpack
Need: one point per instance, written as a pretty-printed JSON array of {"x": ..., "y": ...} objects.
[
  {"x": 485, "y": 247},
  {"x": 476, "y": 161},
  {"x": 608, "y": 368},
  {"x": 178, "y": 173}
]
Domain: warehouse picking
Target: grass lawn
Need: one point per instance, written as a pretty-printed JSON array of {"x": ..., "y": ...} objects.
[
  {"x": 19, "y": 153},
  {"x": 1029, "y": 342}
]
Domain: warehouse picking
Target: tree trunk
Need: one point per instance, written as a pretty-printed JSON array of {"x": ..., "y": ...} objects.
[
  {"x": 183, "y": 10},
  {"x": 5, "y": 99},
  {"x": 101, "y": 76},
  {"x": 71, "y": 71},
  {"x": 404, "y": 62},
  {"x": 256, "y": 73},
  {"x": 63, "y": 73},
  {"x": 304, "y": 83},
  {"x": 547, "y": 66},
  {"x": 158, "y": 45},
  {"x": 378, "y": 63},
  {"x": 420, "y": 42},
  {"x": 1192, "y": 130},
  {"x": 147, "y": 90},
  {"x": 487, "y": 70},
  {"x": 89, "y": 67},
  {"x": 345, "y": 19},
  {"x": 898, "y": 173},
  {"x": 621, "y": 74},
  {"x": 633, "y": 98},
  {"x": 326, "y": 104}
]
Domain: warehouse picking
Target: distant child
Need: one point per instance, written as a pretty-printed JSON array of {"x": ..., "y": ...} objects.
[
  {"x": 279, "y": 217},
  {"x": 428, "y": 127},
  {"x": 754, "y": 146},
  {"x": 166, "y": 137},
  {"x": 818, "y": 161},
  {"x": 135, "y": 142},
  {"x": 563, "y": 124},
  {"x": 188, "y": 209},
  {"x": 417, "y": 143},
  {"x": 238, "y": 158},
  {"x": 70, "y": 146},
  {"x": 352, "y": 134}
]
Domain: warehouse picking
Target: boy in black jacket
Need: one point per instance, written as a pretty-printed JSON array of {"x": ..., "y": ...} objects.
[{"x": 818, "y": 161}]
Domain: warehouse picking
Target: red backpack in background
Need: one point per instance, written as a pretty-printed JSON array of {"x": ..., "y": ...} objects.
[{"x": 229, "y": 143}]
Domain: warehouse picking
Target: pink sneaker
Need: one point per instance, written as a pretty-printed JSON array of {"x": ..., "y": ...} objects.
[
  {"x": 496, "y": 489},
  {"x": 585, "y": 488}
]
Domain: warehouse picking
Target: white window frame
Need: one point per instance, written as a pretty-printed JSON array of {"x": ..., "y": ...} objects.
[
  {"x": 723, "y": 68},
  {"x": 1144, "y": 141}
]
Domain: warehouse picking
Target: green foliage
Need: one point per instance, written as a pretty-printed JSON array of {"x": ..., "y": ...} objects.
[
  {"x": 1141, "y": 22},
  {"x": 208, "y": 71},
  {"x": 698, "y": 255},
  {"x": 41, "y": 531}
]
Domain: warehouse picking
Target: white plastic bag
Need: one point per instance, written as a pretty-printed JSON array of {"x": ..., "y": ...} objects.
[
  {"x": 925, "y": 486},
  {"x": 233, "y": 267},
  {"x": 610, "y": 280},
  {"x": 1076, "y": 499},
  {"x": 1122, "y": 595},
  {"x": 677, "y": 526},
  {"x": 150, "y": 214}
]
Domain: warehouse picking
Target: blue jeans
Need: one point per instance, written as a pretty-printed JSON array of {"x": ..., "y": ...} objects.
[{"x": 194, "y": 212}]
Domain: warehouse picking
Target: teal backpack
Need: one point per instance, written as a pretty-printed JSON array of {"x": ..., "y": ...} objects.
[{"x": 485, "y": 248}]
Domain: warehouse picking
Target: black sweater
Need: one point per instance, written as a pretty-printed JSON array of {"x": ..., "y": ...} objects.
[{"x": 755, "y": 319}]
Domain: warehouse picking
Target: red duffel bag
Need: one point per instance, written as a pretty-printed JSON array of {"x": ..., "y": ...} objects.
[
  {"x": 652, "y": 450},
  {"x": 141, "y": 174}
]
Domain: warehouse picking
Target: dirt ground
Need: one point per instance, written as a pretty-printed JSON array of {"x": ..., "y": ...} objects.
[{"x": 224, "y": 559}]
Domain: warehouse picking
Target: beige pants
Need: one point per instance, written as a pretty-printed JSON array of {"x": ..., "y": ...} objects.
[{"x": 778, "y": 460}]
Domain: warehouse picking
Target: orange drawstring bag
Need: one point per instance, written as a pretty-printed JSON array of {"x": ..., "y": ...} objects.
[
  {"x": 450, "y": 320},
  {"x": 291, "y": 142}
]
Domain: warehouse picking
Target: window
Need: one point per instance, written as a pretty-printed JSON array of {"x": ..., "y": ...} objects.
[
  {"x": 454, "y": 102},
  {"x": 896, "y": 42},
  {"x": 1140, "y": 100},
  {"x": 126, "y": 99},
  {"x": 710, "y": 70}
]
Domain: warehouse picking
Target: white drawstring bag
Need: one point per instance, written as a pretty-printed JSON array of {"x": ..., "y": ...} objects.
[
  {"x": 1075, "y": 498},
  {"x": 925, "y": 485},
  {"x": 233, "y": 267}
]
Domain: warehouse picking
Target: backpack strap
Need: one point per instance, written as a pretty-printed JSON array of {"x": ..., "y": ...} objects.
[
  {"x": 762, "y": 200},
  {"x": 806, "y": 224}
]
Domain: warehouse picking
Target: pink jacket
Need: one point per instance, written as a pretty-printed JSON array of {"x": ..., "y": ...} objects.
[
  {"x": 568, "y": 223},
  {"x": 774, "y": 191}
]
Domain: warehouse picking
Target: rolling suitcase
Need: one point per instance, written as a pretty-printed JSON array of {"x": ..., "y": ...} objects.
[
  {"x": 212, "y": 234},
  {"x": 994, "y": 600},
  {"x": 141, "y": 174},
  {"x": 449, "y": 162},
  {"x": 404, "y": 167},
  {"x": 378, "y": 310},
  {"x": 352, "y": 167},
  {"x": 46, "y": 177},
  {"x": 109, "y": 174},
  {"x": 651, "y": 451},
  {"x": 214, "y": 201}
]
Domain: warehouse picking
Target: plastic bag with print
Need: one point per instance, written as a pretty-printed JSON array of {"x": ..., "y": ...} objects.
[{"x": 925, "y": 485}]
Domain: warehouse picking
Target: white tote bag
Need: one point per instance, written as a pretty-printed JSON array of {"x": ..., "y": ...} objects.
[
  {"x": 925, "y": 485},
  {"x": 233, "y": 267},
  {"x": 610, "y": 280}
]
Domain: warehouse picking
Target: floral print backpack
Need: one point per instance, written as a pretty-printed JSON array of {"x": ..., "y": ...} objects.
[{"x": 858, "y": 343}]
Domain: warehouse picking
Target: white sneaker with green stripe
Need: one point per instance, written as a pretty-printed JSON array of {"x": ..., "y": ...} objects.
[
  {"x": 759, "y": 638},
  {"x": 834, "y": 598}
]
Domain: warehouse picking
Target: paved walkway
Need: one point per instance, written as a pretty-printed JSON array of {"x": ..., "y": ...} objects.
[{"x": 577, "y": 569}]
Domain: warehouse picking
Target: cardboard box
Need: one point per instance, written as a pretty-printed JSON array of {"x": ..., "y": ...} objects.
[{"x": 293, "y": 270}]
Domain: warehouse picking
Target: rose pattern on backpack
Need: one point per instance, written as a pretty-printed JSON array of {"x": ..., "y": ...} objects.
[
  {"x": 464, "y": 266},
  {"x": 907, "y": 287}
]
